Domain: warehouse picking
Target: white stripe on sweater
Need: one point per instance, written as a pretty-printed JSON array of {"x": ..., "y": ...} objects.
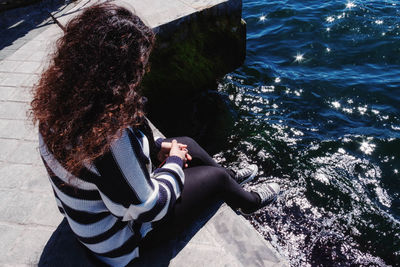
[
  {"x": 130, "y": 167},
  {"x": 92, "y": 206},
  {"x": 115, "y": 241},
  {"x": 60, "y": 171},
  {"x": 163, "y": 212},
  {"x": 94, "y": 229},
  {"x": 146, "y": 150},
  {"x": 59, "y": 204},
  {"x": 145, "y": 228},
  {"x": 175, "y": 167},
  {"x": 133, "y": 212},
  {"x": 167, "y": 176}
]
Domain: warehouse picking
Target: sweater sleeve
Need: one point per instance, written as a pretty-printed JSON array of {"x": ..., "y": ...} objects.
[
  {"x": 158, "y": 141},
  {"x": 171, "y": 175},
  {"x": 127, "y": 188}
]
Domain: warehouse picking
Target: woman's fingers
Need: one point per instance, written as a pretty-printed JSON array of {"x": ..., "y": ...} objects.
[
  {"x": 178, "y": 149},
  {"x": 167, "y": 145}
]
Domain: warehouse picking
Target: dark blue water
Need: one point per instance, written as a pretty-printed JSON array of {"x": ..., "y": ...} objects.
[{"x": 317, "y": 105}]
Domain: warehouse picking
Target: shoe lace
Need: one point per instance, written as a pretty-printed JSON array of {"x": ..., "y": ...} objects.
[
  {"x": 266, "y": 193},
  {"x": 244, "y": 172}
]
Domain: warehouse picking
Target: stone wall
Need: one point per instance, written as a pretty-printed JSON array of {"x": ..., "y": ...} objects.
[{"x": 191, "y": 54}]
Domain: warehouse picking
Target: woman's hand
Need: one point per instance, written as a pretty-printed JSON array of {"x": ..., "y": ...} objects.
[
  {"x": 165, "y": 149},
  {"x": 174, "y": 149}
]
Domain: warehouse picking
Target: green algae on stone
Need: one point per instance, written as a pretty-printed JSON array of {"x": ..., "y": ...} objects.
[
  {"x": 194, "y": 57},
  {"x": 185, "y": 67}
]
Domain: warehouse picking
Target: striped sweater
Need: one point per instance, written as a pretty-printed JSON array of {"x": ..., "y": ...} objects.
[{"x": 115, "y": 201}]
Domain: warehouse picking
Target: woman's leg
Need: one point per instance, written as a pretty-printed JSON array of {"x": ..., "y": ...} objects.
[
  {"x": 206, "y": 179},
  {"x": 208, "y": 182},
  {"x": 199, "y": 155},
  {"x": 204, "y": 185}
]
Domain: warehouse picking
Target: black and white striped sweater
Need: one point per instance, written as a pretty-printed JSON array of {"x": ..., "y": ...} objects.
[{"x": 113, "y": 203}]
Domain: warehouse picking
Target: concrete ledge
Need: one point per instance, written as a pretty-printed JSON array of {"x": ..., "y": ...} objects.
[
  {"x": 219, "y": 237},
  {"x": 227, "y": 240}
]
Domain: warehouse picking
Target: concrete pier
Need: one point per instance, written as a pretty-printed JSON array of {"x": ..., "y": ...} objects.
[{"x": 28, "y": 213}]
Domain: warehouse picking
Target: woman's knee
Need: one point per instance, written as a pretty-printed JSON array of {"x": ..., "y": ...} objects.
[
  {"x": 206, "y": 179},
  {"x": 221, "y": 175},
  {"x": 200, "y": 157},
  {"x": 190, "y": 142}
]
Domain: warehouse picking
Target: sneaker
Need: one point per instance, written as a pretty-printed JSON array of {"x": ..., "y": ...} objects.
[
  {"x": 268, "y": 194},
  {"x": 247, "y": 174}
]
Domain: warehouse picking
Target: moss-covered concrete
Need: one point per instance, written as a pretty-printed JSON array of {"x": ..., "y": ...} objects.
[
  {"x": 185, "y": 66},
  {"x": 194, "y": 57}
]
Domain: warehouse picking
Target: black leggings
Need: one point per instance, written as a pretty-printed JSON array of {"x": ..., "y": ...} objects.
[{"x": 205, "y": 183}]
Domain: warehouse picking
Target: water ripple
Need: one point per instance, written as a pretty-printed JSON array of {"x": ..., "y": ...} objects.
[{"x": 318, "y": 110}]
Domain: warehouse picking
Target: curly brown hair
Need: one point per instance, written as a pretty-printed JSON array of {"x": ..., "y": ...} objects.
[{"x": 90, "y": 92}]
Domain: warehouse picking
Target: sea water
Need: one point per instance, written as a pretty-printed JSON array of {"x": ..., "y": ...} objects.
[{"x": 317, "y": 103}]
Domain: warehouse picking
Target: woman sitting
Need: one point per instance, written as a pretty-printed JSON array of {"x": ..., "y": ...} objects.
[{"x": 100, "y": 152}]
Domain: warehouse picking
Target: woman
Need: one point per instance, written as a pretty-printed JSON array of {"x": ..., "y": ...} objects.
[{"x": 98, "y": 148}]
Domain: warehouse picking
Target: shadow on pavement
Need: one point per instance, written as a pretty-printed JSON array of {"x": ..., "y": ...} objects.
[
  {"x": 20, "y": 24},
  {"x": 64, "y": 250}
]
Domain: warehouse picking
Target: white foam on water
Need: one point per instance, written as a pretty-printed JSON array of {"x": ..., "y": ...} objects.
[{"x": 383, "y": 197}]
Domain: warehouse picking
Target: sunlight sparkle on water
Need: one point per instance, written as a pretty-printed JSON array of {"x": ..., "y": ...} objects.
[
  {"x": 348, "y": 110},
  {"x": 367, "y": 148},
  {"x": 262, "y": 18},
  {"x": 330, "y": 19},
  {"x": 267, "y": 88},
  {"x": 298, "y": 93},
  {"x": 383, "y": 197},
  {"x": 328, "y": 49},
  {"x": 277, "y": 80},
  {"x": 341, "y": 16},
  {"x": 335, "y": 104},
  {"x": 299, "y": 58},
  {"x": 350, "y": 5},
  {"x": 379, "y": 22},
  {"x": 362, "y": 110}
]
